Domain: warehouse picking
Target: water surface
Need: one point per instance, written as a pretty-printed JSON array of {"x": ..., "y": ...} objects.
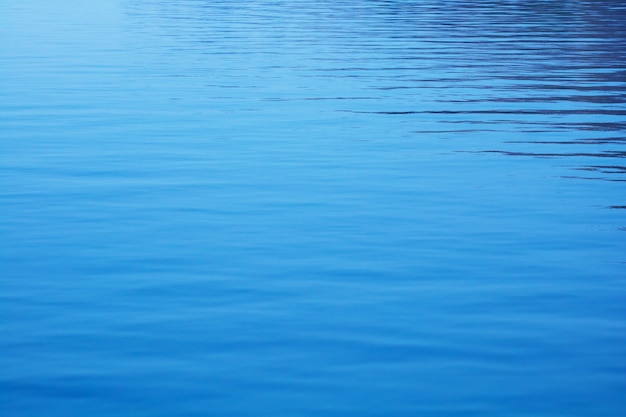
[{"x": 313, "y": 208}]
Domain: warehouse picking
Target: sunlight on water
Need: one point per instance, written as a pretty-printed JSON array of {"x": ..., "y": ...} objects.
[{"x": 313, "y": 208}]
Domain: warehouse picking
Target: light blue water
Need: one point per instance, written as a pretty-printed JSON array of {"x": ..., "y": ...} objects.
[{"x": 313, "y": 208}]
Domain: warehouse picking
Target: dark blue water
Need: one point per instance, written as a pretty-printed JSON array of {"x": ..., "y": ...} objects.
[{"x": 313, "y": 208}]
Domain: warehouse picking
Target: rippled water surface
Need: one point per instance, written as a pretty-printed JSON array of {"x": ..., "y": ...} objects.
[{"x": 313, "y": 208}]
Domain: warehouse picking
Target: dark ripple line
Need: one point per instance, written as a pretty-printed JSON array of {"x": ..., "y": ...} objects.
[
  {"x": 601, "y": 99},
  {"x": 605, "y": 154},
  {"x": 592, "y": 141},
  {"x": 592, "y": 178},
  {"x": 605, "y": 169},
  {"x": 508, "y": 112}
]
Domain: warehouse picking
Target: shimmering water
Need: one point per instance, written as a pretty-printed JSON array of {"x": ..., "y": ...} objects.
[{"x": 313, "y": 208}]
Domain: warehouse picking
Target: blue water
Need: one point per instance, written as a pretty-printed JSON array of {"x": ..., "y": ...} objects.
[{"x": 313, "y": 208}]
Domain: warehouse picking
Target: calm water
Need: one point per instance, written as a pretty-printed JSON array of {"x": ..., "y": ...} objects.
[{"x": 313, "y": 208}]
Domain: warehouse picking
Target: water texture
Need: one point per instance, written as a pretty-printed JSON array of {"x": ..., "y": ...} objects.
[{"x": 313, "y": 208}]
